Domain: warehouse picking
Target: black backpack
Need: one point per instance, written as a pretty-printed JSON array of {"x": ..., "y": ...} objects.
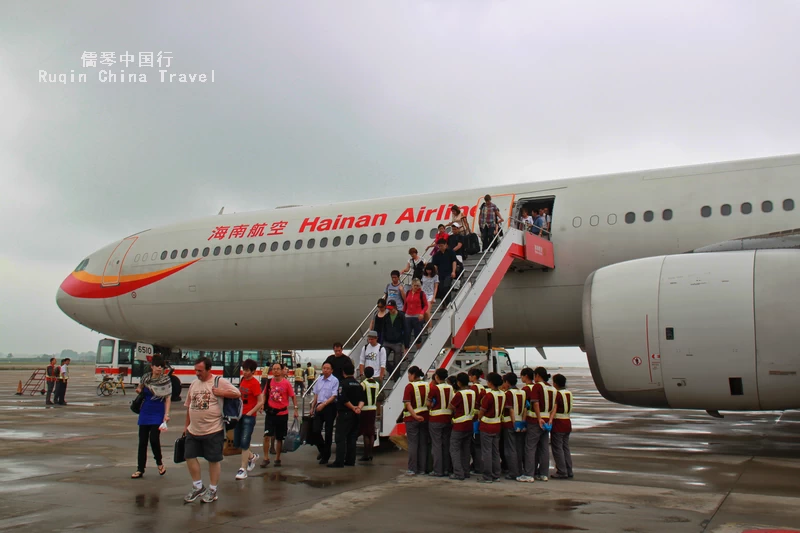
[
  {"x": 472, "y": 245},
  {"x": 175, "y": 381},
  {"x": 419, "y": 269}
]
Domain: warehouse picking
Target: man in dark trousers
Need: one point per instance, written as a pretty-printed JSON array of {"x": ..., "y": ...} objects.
[
  {"x": 338, "y": 360},
  {"x": 50, "y": 376},
  {"x": 394, "y": 335},
  {"x": 348, "y": 404},
  {"x": 446, "y": 266},
  {"x": 324, "y": 409}
]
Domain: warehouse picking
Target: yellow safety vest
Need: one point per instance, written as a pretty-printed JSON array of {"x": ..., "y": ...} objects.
[
  {"x": 371, "y": 389},
  {"x": 566, "y": 398},
  {"x": 481, "y": 389},
  {"x": 443, "y": 403},
  {"x": 468, "y": 396},
  {"x": 420, "y": 394},
  {"x": 518, "y": 396},
  {"x": 311, "y": 372},
  {"x": 499, "y": 404},
  {"x": 549, "y": 395}
]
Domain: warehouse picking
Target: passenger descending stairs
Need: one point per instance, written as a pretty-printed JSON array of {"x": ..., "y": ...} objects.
[{"x": 451, "y": 325}]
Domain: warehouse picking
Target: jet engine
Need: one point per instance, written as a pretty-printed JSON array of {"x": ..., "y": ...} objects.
[{"x": 714, "y": 331}]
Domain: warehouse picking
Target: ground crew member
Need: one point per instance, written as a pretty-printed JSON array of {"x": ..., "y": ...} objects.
[
  {"x": 50, "y": 376},
  {"x": 543, "y": 448},
  {"x": 539, "y": 404},
  {"x": 311, "y": 374},
  {"x": 416, "y": 420},
  {"x": 61, "y": 383},
  {"x": 491, "y": 414},
  {"x": 513, "y": 426},
  {"x": 299, "y": 383},
  {"x": 462, "y": 405},
  {"x": 439, "y": 425},
  {"x": 367, "y": 419},
  {"x": 475, "y": 446},
  {"x": 562, "y": 427},
  {"x": 349, "y": 402}
]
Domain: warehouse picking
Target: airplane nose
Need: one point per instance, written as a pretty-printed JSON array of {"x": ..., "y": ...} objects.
[{"x": 64, "y": 302}]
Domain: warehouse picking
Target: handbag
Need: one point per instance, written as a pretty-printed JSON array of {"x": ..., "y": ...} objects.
[
  {"x": 292, "y": 441},
  {"x": 136, "y": 403},
  {"x": 179, "y": 453}
]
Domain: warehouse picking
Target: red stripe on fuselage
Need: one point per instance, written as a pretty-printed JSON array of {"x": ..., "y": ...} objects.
[{"x": 86, "y": 289}]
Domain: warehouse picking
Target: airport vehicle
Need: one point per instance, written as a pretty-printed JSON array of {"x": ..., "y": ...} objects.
[
  {"x": 129, "y": 360},
  {"x": 679, "y": 283}
]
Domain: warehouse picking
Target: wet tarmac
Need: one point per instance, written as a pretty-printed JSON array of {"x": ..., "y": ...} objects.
[{"x": 636, "y": 470}]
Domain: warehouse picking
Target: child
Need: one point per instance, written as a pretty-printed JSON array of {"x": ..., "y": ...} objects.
[
  {"x": 562, "y": 427},
  {"x": 441, "y": 233}
]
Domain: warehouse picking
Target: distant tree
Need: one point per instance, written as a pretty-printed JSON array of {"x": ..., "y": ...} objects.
[{"x": 11, "y": 355}]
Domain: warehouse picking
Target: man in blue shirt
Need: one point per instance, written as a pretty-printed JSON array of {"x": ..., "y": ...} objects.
[
  {"x": 539, "y": 224},
  {"x": 324, "y": 408}
]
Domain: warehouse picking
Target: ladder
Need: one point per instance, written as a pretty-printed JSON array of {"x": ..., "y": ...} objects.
[
  {"x": 35, "y": 383},
  {"x": 469, "y": 305}
]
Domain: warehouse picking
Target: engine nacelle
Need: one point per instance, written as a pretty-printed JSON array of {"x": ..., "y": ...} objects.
[{"x": 714, "y": 331}]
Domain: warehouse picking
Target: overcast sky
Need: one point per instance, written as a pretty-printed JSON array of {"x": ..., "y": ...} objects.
[{"x": 328, "y": 101}]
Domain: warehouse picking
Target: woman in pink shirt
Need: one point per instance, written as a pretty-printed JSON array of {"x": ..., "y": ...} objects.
[{"x": 416, "y": 307}]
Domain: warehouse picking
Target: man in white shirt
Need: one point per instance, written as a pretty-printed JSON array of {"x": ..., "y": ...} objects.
[{"x": 374, "y": 355}]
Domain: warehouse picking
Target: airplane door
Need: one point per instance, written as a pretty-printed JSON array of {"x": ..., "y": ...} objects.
[
  {"x": 504, "y": 203},
  {"x": 706, "y": 333},
  {"x": 113, "y": 268}
]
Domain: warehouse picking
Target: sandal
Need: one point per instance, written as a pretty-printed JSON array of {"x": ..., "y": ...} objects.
[
  {"x": 162, "y": 470},
  {"x": 137, "y": 475}
]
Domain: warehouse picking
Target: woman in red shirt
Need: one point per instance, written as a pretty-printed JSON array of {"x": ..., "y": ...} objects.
[{"x": 416, "y": 307}]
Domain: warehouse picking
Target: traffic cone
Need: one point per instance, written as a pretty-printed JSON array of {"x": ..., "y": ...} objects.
[{"x": 19, "y": 388}]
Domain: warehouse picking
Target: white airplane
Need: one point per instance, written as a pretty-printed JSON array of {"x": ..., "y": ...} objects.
[{"x": 661, "y": 327}]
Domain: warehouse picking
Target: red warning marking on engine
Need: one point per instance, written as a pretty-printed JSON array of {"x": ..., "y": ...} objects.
[
  {"x": 655, "y": 356},
  {"x": 637, "y": 361}
]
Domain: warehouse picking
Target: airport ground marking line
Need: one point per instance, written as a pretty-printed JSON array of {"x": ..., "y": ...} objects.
[{"x": 728, "y": 493}]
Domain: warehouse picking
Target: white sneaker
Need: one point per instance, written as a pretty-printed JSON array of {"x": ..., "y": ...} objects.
[
  {"x": 241, "y": 474},
  {"x": 251, "y": 463},
  {"x": 525, "y": 479},
  {"x": 209, "y": 496}
]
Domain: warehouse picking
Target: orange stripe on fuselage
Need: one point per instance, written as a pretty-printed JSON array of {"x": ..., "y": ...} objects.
[{"x": 85, "y": 285}]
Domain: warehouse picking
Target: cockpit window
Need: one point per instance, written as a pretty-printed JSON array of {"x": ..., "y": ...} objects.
[{"x": 82, "y": 265}]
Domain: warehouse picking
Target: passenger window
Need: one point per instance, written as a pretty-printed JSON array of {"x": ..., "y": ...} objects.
[
  {"x": 576, "y": 222},
  {"x": 298, "y": 244},
  {"x": 184, "y": 253},
  {"x": 217, "y": 250},
  {"x": 239, "y": 249},
  {"x": 262, "y": 247},
  {"x": 376, "y": 238},
  {"x": 163, "y": 255},
  {"x": 228, "y": 250},
  {"x": 648, "y": 216},
  {"x": 205, "y": 252},
  {"x": 612, "y": 219},
  {"x": 174, "y": 254},
  {"x": 666, "y": 214},
  {"x": 594, "y": 220},
  {"x": 337, "y": 241},
  {"x": 747, "y": 208},
  {"x": 274, "y": 246},
  {"x": 195, "y": 252},
  {"x": 404, "y": 236},
  {"x": 287, "y": 245},
  {"x": 420, "y": 234},
  {"x": 766, "y": 206},
  {"x": 433, "y": 232},
  {"x": 136, "y": 259},
  {"x": 788, "y": 205},
  {"x": 349, "y": 240},
  {"x": 705, "y": 212},
  {"x": 725, "y": 210},
  {"x": 311, "y": 243},
  {"x": 154, "y": 256},
  {"x": 250, "y": 248},
  {"x": 390, "y": 237},
  {"x": 363, "y": 239},
  {"x": 323, "y": 242},
  {"x": 630, "y": 217}
]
